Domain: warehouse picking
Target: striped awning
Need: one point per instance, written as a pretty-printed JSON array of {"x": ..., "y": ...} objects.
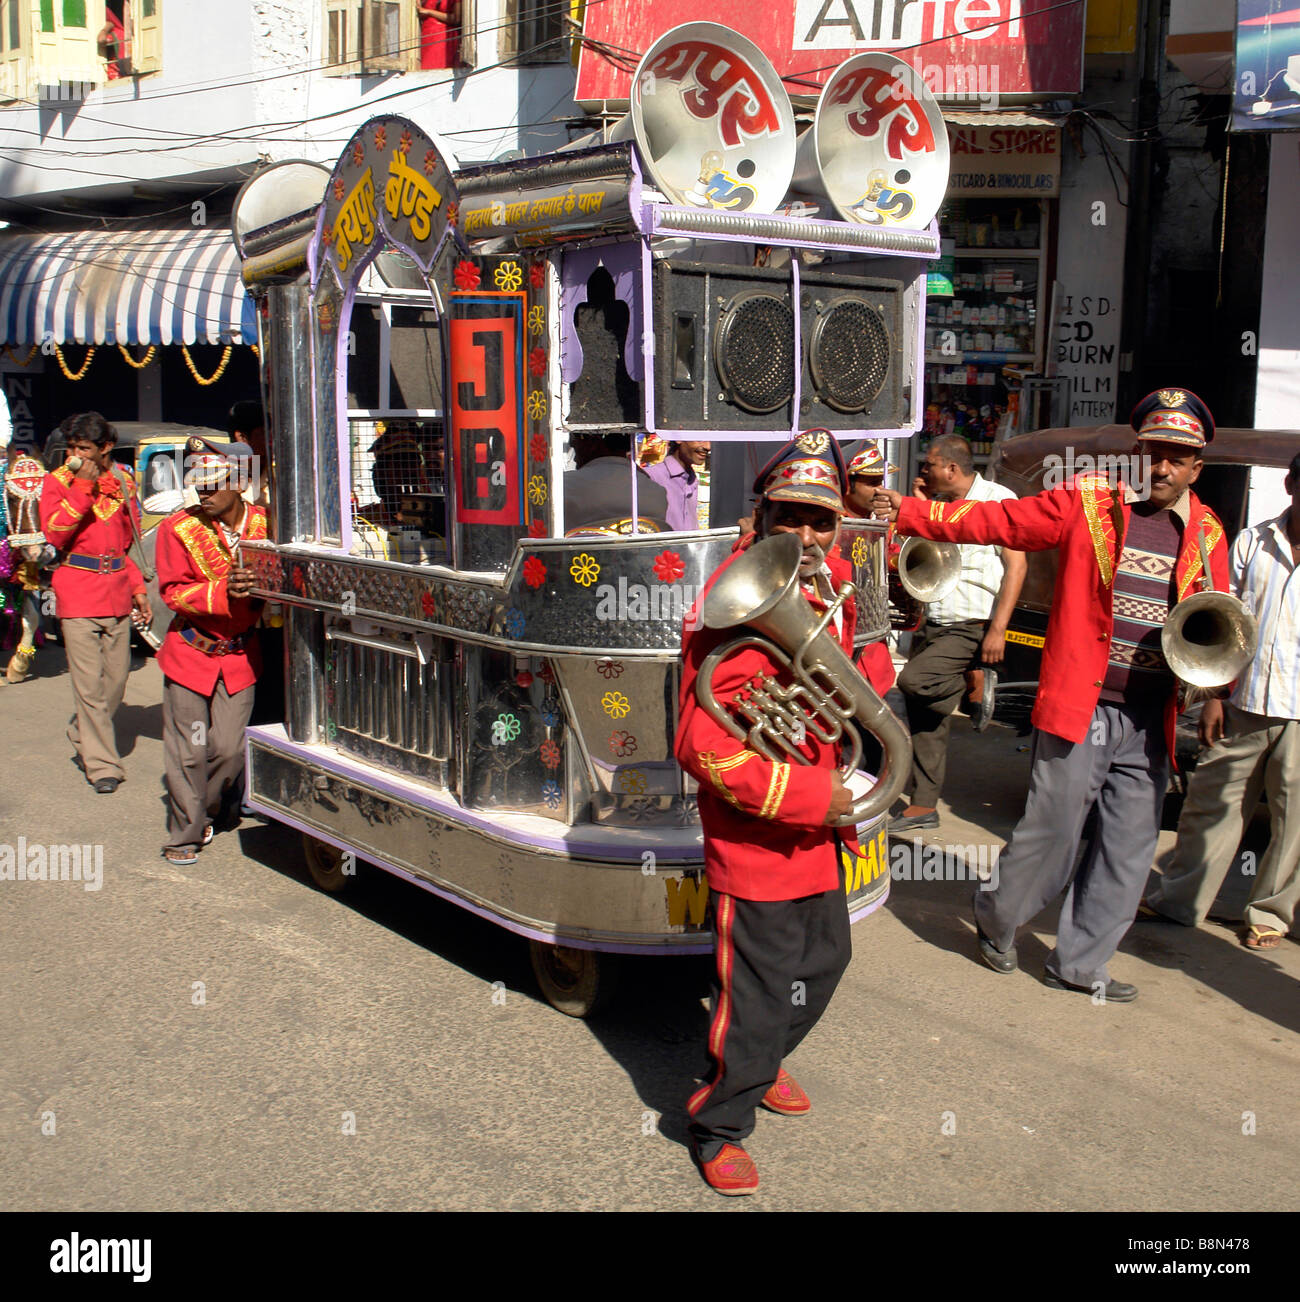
[{"x": 124, "y": 287}]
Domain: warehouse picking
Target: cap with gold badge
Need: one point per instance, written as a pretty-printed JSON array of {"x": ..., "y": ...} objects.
[
  {"x": 810, "y": 468},
  {"x": 1173, "y": 416}
]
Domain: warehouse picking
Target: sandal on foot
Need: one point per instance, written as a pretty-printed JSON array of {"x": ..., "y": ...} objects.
[
  {"x": 183, "y": 857},
  {"x": 1262, "y": 938}
]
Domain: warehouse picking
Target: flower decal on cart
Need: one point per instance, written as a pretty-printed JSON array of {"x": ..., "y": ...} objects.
[
  {"x": 669, "y": 567},
  {"x": 551, "y": 794},
  {"x": 537, "y": 447},
  {"x": 381, "y": 138},
  {"x": 339, "y": 189},
  {"x": 534, "y": 572},
  {"x": 358, "y": 152},
  {"x": 859, "y": 551},
  {"x": 616, "y": 705},
  {"x": 505, "y": 729},
  {"x": 550, "y": 716},
  {"x": 585, "y": 569},
  {"x": 537, "y": 275},
  {"x": 430, "y": 162},
  {"x": 550, "y": 754},
  {"x": 427, "y": 603},
  {"x": 609, "y": 668},
  {"x": 466, "y": 275},
  {"x": 536, "y": 319},
  {"x": 515, "y": 623},
  {"x": 537, "y": 490},
  {"x": 508, "y": 278},
  {"x": 404, "y": 144},
  {"x": 536, "y": 404},
  {"x": 453, "y": 214},
  {"x": 537, "y": 363},
  {"x": 631, "y": 782},
  {"x": 537, "y": 528},
  {"x": 622, "y": 743}
]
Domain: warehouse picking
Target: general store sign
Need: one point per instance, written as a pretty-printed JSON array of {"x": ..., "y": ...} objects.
[
  {"x": 1005, "y": 160},
  {"x": 966, "y": 50}
]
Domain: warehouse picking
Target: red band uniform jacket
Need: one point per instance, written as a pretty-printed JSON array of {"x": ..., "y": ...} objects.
[
  {"x": 88, "y": 517},
  {"x": 193, "y": 564},
  {"x": 1087, "y": 522},
  {"x": 764, "y": 834}
]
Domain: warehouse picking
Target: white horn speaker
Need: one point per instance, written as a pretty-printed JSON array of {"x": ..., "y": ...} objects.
[
  {"x": 877, "y": 150},
  {"x": 712, "y": 121}
]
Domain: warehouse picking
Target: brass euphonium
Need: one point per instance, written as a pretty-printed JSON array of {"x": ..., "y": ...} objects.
[
  {"x": 761, "y": 591},
  {"x": 929, "y": 570},
  {"x": 1209, "y": 637}
]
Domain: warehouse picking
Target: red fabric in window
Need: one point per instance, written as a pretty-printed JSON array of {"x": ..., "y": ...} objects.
[{"x": 439, "y": 42}]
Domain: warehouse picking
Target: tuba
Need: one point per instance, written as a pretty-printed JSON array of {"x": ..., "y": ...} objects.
[
  {"x": 1209, "y": 637},
  {"x": 929, "y": 570},
  {"x": 761, "y": 591}
]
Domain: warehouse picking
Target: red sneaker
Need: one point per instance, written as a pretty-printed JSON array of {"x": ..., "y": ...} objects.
[
  {"x": 785, "y": 1096},
  {"x": 731, "y": 1173}
]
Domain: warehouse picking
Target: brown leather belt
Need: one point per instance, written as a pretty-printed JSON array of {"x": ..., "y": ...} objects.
[{"x": 212, "y": 646}]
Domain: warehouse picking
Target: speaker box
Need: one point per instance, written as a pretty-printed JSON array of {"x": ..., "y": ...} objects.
[
  {"x": 725, "y": 349},
  {"x": 854, "y": 352}
]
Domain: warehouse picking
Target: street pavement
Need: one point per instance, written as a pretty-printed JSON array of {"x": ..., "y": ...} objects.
[{"x": 226, "y": 1036}]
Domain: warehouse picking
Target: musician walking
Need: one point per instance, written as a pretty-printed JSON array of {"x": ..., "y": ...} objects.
[
  {"x": 210, "y": 657},
  {"x": 1107, "y": 701},
  {"x": 772, "y": 856}
]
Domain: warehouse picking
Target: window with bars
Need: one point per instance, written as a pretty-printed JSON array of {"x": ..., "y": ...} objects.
[{"x": 535, "y": 31}]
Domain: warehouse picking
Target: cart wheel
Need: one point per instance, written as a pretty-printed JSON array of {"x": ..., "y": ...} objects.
[
  {"x": 578, "y": 982},
  {"x": 325, "y": 863}
]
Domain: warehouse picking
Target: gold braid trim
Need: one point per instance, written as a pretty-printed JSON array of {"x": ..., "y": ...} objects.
[
  {"x": 1092, "y": 512},
  {"x": 716, "y": 767},
  {"x": 1212, "y": 535},
  {"x": 964, "y": 509},
  {"x": 775, "y": 791}
]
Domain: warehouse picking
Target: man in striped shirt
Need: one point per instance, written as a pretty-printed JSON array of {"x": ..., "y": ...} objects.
[{"x": 1254, "y": 746}]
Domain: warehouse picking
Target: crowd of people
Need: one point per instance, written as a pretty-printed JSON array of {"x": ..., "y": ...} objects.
[{"x": 775, "y": 853}]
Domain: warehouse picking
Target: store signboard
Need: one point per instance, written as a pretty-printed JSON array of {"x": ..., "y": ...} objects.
[
  {"x": 1266, "y": 89},
  {"x": 967, "y": 51},
  {"x": 1024, "y": 161}
]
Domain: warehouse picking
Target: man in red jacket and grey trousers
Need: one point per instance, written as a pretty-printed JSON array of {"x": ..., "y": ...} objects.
[
  {"x": 780, "y": 917},
  {"x": 87, "y": 513},
  {"x": 210, "y": 657},
  {"x": 1107, "y": 701}
]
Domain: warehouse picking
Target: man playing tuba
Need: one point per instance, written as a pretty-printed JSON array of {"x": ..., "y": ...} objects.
[
  {"x": 780, "y": 919},
  {"x": 1107, "y": 700}
]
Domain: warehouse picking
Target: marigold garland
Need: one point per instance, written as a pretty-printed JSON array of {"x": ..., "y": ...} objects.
[
  {"x": 27, "y": 361},
  {"x": 144, "y": 361},
  {"x": 85, "y": 366},
  {"x": 217, "y": 374}
]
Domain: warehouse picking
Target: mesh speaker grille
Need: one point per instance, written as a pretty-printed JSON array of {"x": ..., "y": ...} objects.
[
  {"x": 849, "y": 355},
  {"x": 754, "y": 352}
]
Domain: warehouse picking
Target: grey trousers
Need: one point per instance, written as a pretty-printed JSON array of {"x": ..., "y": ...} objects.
[
  {"x": 203, "y": 758},
  {"x": 933, "y": 683},
  {"x": 1258, "y": 754},
  {"x": 99, "y": 660},
  {"x": 1122, "y": 766}
]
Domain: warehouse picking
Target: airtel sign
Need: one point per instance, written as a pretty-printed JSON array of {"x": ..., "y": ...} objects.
[{"x": 965, "y": 50}]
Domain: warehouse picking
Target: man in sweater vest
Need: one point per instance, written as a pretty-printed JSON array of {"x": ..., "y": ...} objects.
[{"x": 1107, "y": 701}]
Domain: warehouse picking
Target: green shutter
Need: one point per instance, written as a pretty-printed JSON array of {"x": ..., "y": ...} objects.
[
  {"x": 47, "y": 15},
  {"x": 74, "y": 13}
]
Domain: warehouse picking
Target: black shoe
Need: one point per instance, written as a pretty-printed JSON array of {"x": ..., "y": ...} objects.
[
  {"x": 106, "y": 786},
  {"x": 984, "y": 710},
  {"x": 1116, "y": 992},
  {"x": 913, "y": 824},
  {"x": 1003, "y": 961}
]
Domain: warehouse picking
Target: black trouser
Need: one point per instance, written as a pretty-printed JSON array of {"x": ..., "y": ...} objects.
[
  {"x": 777, "y": 965},
  {"x": 933, "y": 683}
]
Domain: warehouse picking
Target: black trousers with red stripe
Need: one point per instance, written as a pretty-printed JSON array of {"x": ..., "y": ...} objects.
[{"x": 777, "y": 965}]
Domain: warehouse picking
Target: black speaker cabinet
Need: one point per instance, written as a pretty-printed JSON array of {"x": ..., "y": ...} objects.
[
  {"x": 853, "y": 352},
  {"x": 725, "y": 349}
]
